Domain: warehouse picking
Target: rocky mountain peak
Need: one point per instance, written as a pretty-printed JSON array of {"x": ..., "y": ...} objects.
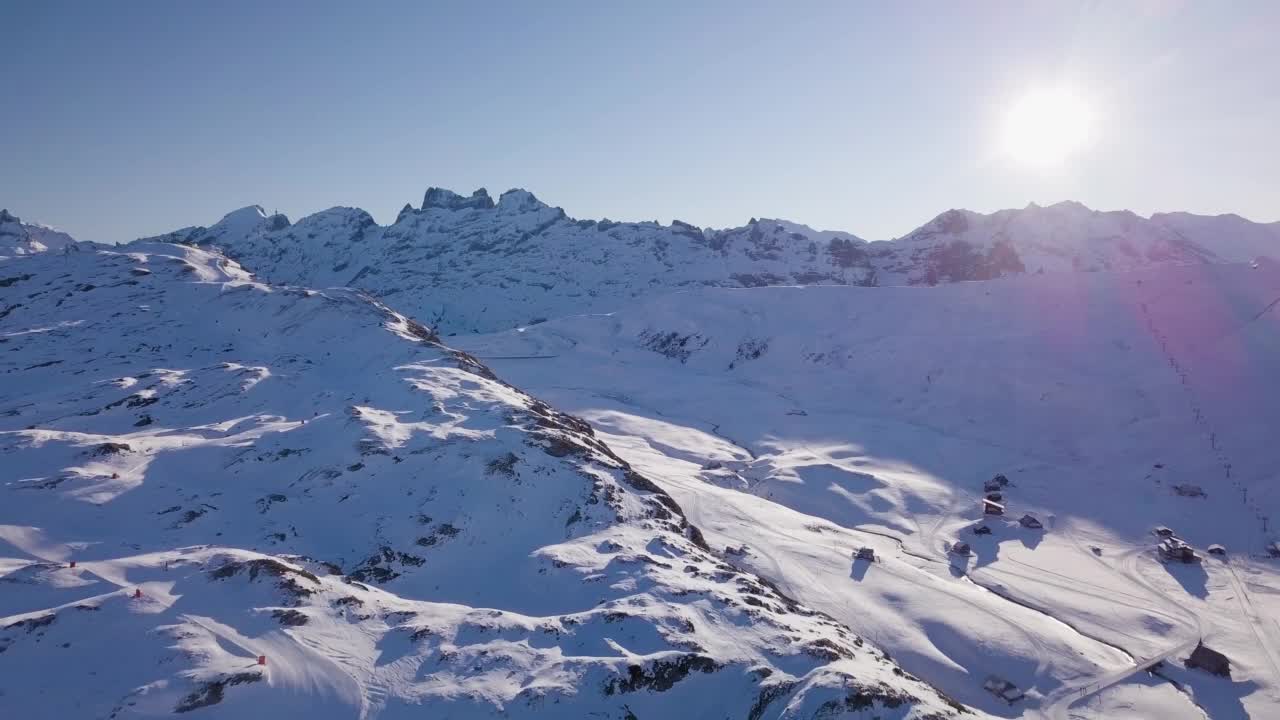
[
  {"x": 450, "y": 200},
  {"x": 519, "y": 200}
]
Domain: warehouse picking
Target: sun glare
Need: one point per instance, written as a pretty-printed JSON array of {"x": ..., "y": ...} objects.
[{"x": 1046, "y": 127}]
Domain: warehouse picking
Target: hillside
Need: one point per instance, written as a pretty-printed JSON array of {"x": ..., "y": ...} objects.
[
  {"x": 798, "y": 423},
  {"x": 200, "y": 471},
  {"x": 19, "y": 238},
  {"x": 468, "y": 264}
]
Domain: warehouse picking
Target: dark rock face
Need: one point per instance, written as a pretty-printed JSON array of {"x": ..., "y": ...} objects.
[
  {"x": 959, "y": 261},
  {"x": 660, "y": 675},
  {"x": 290, "y": 618},
  {"x": 449, "y": 200},
  {"x": 277, "y": 222},
  {"x": 112, "y": 448},
  {"x": 846, "y": 253},
  {"x": 672, "y": 344},
  {"x": 212, "y": 693}
]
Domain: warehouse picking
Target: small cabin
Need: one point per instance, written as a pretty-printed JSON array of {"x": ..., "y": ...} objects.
[
  {"x": 1002, "y": 689},
  {"x": 865, "y": 553},
  {"x": 1171, "y": 548},
  {"x": 1218, "y": 550},
  {"x": 961, "y": 547},
  {"x": 1189, "y": 490},
  {"x": 1030, "y": 521},
  {"x": 1211, "y": 661},
  {"x": 991, "y": 507}
]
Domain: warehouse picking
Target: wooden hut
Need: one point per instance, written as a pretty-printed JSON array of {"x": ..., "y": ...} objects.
[{"x": 1211, "y": 661}]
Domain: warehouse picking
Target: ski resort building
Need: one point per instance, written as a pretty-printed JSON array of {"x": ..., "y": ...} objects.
[
  {"x": 991, "y": 507},
  {"x": 1211, "y": 661},
  {"x": 1172, "y": 548}
]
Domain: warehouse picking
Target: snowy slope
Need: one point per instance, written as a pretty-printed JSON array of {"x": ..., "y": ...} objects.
[
  {"x": 19, "y": 238},
  {"x": 1247, "y": 240},
  {"x": 963, "y": 245},
  {"x": 802, "y": 422},
  {"x": 468, "y": 264},
  {"x": 239, "y": 469}
]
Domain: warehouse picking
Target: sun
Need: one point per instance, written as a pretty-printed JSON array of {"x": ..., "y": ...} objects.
[{"x": 1046, "y": 127}]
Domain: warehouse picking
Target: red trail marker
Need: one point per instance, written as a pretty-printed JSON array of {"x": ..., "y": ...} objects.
[
  {"x": 137, "y": 594},
  {"x": 262, "y": 659}
]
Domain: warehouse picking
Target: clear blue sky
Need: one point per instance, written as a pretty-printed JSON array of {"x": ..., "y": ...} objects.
[{"x": 129, "y": 118}]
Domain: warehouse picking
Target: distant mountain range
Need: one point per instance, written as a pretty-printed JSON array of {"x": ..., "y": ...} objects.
[{"x": 469, "y": 264}]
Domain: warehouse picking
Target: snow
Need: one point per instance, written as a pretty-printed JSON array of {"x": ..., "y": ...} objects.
[
  {"x": 804, "y": 423},
  {"x": 19, "y": 238},
  {"x": 242, "y": 469},
  {"x": 251, "y": 441},
  {"x": 466, "y": 265}
]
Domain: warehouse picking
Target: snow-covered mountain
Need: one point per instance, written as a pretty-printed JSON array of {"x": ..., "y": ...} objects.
[
  {"x": 467, "y": 264},
  {"x": 963, "y": 245},
  {"x": 19, "y": 238},
  {"x": 796, "y": 423},
  {"x": 291, "y": 464},
  {"x": 201, "y": 470}
]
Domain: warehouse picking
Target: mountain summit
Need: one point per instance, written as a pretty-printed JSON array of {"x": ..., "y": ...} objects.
[
  {"x": 468, "y": 264},
  {"x": 19, "y": 238}
]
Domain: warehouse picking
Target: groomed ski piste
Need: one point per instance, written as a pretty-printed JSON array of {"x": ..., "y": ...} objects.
[{"x": 797, "y": 425}]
